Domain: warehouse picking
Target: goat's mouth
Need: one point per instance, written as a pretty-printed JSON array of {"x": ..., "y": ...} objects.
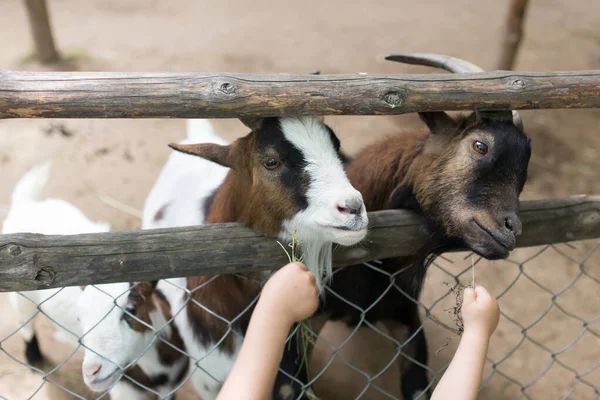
[
  {"x": 496, "y": 246},
  {"x": 344, "y": 228},
  {"x": 345, "y": 235},
  {"x": 103, "y": 384}
]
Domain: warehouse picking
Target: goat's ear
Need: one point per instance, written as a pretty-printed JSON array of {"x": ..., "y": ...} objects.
[
  {"x": 209, "y": 151},
  {"x": 251, "y": 122},
  {"x": 145, "y": 289},
  {"x": 437, "y": 121}
]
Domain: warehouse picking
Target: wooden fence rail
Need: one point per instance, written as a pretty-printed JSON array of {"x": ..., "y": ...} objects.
[
  {"x": 219, "y": 95},
  {"x": 33, "y": 261}
]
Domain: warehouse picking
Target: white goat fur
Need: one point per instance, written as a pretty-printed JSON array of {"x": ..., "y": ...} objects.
[
  {"x": 112, "y": 344},
  {"x": 29, "y": 213},
  {"x": 184, "y": 183}
]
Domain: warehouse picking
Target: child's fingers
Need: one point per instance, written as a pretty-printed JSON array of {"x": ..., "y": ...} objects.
[
  {"x": 301, "y": 265},
  {"x": 469, "y": 296},
  {"x": 482, "y": 293}
]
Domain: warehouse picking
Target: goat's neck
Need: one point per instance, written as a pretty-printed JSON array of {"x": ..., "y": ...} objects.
[
  {"x": 227, "y": 204},
  {"x": 383, "y": 167},
  {"x": 165, "y": 363}
]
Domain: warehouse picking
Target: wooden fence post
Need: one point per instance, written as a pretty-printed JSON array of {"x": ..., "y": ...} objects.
[
  {"x": 513, "y": 34},
  {"x": 26, "y": 94},
  {"x": 41, "y": 31}
]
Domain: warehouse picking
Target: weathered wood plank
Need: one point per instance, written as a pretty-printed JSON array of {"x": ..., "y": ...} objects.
[
  {"x": 202, "y": 95},
  {"x": 30, "y": 261}
]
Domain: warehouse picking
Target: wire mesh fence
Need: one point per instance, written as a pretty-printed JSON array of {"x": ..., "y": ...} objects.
[{"x": 121, "y": 339}]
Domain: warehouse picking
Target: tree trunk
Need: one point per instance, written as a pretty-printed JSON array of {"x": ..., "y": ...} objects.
[
  {"x": 513, "y": 34},
  {"x": 41, "y": 31}
]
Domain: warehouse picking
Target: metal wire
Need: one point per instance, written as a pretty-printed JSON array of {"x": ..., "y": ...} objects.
[{"x": 546, "y": 345}]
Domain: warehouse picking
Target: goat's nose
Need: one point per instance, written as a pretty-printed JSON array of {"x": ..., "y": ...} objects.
[
  {"x": 91, "y": 370},
  {"x": 351, "y": 206},
  {"x": 513, "y": 224}
]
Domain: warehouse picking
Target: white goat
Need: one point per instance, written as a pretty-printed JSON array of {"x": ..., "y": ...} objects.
[
  {"x": 159, "y": 369},
  {"x": 127, "y": 332},
  {"x": 122, "y": 322},
  {"x": 184, "y": 183},
  {"x": 30, "y": 213},
  {"x": 287, "y": 173},
  {"x": 176, "y": 200}
]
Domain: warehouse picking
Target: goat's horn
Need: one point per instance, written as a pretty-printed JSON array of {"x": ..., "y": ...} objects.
[
  {"x": 450, "y": 64},
  {"x": 517, "y": 121}
]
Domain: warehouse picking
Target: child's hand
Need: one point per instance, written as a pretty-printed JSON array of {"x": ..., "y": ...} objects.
[
  {"x": 480, "y": 311},
  {"x": 292, "y": 292}
]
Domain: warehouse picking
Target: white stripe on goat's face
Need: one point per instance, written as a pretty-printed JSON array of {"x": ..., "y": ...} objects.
[
  {"x": 116, "y": 320},
  {"x": 334, "y": 209},
  {"x": 287, "y": 175}
]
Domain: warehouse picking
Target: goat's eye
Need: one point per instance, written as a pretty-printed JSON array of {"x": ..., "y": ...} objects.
[
  {"x": 480, "y": 147},
  {"x": 131, "y": 309},
  {"x": 271, "y": 164}
]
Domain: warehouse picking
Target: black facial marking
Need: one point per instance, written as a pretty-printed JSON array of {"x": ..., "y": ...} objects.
[
  {"x": 502, "y": 169},
  {"x": 291, "y": 171},
  {"x": 334, "y": 139},
  {"x": 133, "y": 299}
]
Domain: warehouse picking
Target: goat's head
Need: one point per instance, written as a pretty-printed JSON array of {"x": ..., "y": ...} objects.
[
  {"x": 471, "y": 171},
  {"x": 119, "y": 323},
  {"x": 287, "y": 174}
]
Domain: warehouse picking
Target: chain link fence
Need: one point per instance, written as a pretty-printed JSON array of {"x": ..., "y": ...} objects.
[{"x": 547, "y": 345}]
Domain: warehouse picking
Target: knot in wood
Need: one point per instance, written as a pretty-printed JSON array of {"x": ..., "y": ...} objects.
[
  {"x": 394, "y": 99},
  {"x": 518, "y": 83},
  {"x": 227, "y": 88},
  {"x": 45, "y": 276},
  {"x": 14, "y": 250}
]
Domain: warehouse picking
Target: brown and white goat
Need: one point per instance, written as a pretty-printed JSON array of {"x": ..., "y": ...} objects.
[
  {"x": 464, "y": 176},
  {"x": 286, "y": 174},
  {"x": 131, "y": 348}
]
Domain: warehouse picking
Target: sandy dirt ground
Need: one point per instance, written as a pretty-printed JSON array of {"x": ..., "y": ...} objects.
[{"x": 121, "y": 158}]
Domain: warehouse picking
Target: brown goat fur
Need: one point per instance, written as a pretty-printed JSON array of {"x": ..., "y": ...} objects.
[
  {"x": 146, "y": 299},
  {"x": 438, "y": 174},
  {"x": 464, "y": 176},
  {"x": 268, "y": 188},
  {"x": 241, "y": 290}
]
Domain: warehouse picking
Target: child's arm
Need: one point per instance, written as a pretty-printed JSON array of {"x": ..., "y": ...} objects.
[
  {"x": 289, "y": 296},
  {"x": 462, "y": 378}
]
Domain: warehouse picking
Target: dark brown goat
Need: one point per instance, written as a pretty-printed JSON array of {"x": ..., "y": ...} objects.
[
  {"x": 287, "y": 174},
  {"x": 464, "y": 176}
]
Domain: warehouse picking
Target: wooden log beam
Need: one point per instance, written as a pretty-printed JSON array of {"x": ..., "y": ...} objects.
[
  {"x": 200, "y": 95},
  {"x": 32, "y": 261}
]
